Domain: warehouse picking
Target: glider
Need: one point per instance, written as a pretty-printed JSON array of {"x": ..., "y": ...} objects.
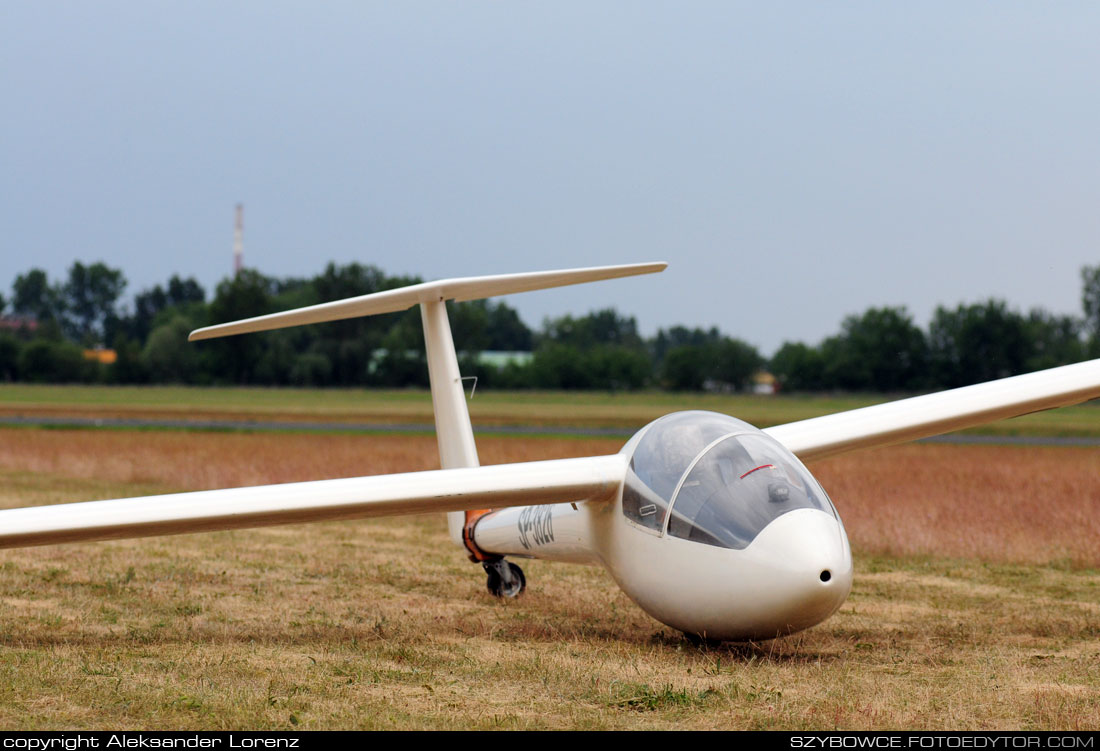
[{"x": 712, "y": 526}]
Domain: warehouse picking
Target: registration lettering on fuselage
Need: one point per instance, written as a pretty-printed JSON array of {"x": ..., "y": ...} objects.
[{"x": 536, "y": 526}]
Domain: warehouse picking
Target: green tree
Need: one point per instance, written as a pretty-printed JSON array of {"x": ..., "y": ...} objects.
[
  {"x": 147, "y": 305},
  {"x": 685, "y": 368},
  {"x": 1055, "y": 340},
  {"x": 168, "y": 357},
  {"x": 348, "y": 344},
  {"x": 560, "y": 366},
  {"x": 723, "y": 364},
  {"x": 1090, "y": 301},
  {"x": 506, "y": 332},
  {"x": 278, "y": 359},
  {"x": 880, "y": 350},
  {"x": 49, "y": 361},
  {"x": 736, "y": 362},
  {"x": 400, "y": 360},
  {"x": 598, "y": 327},
  {"x": 600, "y": 350},
  {"x": 128, "y": 366},
  {"x": 182, "y": 295},
  {"x": 469, "y": 325},
  {"x": 184, "y": 291},
  {"x": 351, "y": 280},
  {"x": 617, "y": 367},
  {"x": 234, "y": 359},
  {"x": 310, "y": 369},
  {"x": 679, "y": 336},
  {"x": 480, "y": 325},
  {"x": 9, "y": 357},
  {"x": 90, "y": 295},
  {"x": 32, "y": 295},
  {"x": 799, "y": 367},
  {"x": 978, "y": 342}
]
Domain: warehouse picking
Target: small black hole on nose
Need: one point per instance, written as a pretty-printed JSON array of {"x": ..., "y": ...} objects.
[{"x": 826, "y": 575}]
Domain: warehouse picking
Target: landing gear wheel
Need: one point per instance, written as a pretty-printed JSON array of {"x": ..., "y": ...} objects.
[{"x": 506, "y": 579}]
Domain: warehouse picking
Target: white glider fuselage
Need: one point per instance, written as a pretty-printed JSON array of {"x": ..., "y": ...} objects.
[
  {"x": 771, "y": 588},
  {"x": 795, "y": 572}
]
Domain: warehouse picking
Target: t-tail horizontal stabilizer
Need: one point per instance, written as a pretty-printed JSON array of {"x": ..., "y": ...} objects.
[{"x": 395, "y": 300}]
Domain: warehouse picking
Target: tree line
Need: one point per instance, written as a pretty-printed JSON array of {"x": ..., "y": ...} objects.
[
  {"x": 50, "y": 326},
  {"x": 883, "y": 350}
]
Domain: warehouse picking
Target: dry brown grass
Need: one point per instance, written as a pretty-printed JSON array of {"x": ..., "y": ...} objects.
[
  {"x": 384, "y": 625},
  {"x": 196, "y": 461},
  {"x": 1030, "y": 504}
]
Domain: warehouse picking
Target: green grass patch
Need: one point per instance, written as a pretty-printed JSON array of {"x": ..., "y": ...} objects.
[{"x": 626, "y": 411}]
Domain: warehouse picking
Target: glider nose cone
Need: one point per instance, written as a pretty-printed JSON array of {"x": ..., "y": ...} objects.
[{"x": 813, "y": 565}]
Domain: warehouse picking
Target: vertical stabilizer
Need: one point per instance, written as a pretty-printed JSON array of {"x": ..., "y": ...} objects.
[{"x": 453, "y": 430}]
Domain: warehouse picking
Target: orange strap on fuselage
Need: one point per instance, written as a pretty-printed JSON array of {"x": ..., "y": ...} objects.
[{"x": 476, "y": 554}]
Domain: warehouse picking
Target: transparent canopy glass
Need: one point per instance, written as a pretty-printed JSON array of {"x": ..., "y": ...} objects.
[
  {"x": 723, "y": 479},
  {"x": 737, "y": 488},
  {"x": 661, "y": 455}
]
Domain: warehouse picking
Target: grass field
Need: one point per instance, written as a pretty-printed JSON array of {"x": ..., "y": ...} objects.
[
  {"x": 628, "y": 411},
  {"x": 976, "y": 604}
]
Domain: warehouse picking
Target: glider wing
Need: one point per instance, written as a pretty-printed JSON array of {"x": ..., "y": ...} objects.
[
  {"x": 497, "y": 486},
  {"x": 933, "y": 414}
]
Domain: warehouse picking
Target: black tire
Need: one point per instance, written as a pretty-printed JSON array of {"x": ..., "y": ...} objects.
[{"x": 496, "y": 584}]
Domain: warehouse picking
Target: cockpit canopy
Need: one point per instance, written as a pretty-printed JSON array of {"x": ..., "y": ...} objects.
[{"x": 714, "y": 479}]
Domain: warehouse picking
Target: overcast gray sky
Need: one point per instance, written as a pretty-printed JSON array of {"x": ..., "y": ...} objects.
[{"x": 794, "y": 162}]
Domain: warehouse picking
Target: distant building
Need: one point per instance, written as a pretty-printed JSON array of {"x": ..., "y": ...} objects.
[
  {"x": 498, "y": 359},
  {"x": 489, "y": 357},
  {"x": 18, "y": 323},
  {"x": 764, "y": 382},
  {"x": 105, "y": 356}
]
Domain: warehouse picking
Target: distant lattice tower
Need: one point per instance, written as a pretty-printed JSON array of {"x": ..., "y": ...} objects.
[{"x": 238, "y": 240}]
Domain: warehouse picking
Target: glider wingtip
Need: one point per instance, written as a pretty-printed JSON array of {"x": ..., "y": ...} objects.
[{"x": 646, "y": 267}]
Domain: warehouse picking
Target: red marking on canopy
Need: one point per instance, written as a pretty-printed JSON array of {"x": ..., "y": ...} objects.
[{"x": 762, "y": 466}]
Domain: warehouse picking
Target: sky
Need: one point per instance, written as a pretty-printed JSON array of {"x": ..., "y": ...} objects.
[{"x": 794, "y": 162}]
